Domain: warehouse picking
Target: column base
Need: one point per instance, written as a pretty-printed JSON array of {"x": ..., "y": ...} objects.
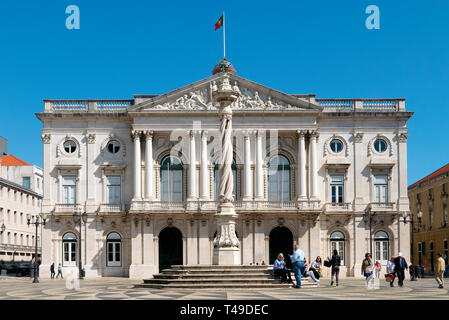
[
  {"x": 141, "y": 271},
  {"x": 226, "y": 256}
]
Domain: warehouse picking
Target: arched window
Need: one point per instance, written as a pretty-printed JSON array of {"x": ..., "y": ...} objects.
[
  {"x": 69, "y": 249},
  {"x": 381, "y": 247},
  {"x": 337, "y": 242},
  {"x": 278, "y": 179},
  {"x": 217, "y": 179},
  {"x": 114, "y": 250},
  {"x": 172, "y": 176}
]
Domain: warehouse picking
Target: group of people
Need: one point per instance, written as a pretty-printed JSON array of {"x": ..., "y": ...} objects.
[
  {"x": 396, "y": 267},
  {"x": 302, "y": 269}
]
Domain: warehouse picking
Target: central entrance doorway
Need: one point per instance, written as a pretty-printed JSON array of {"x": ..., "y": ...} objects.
[
  {"x": 170, "y": 248},
  {"x": 281, "y": 241}
]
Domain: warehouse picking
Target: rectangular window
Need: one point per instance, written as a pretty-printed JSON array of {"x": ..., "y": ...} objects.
[
  {"x": 381, "y": 188},
  {"x": 69, "y": 190},
  {"x": 113, "y": 189},
  {"x": 432, "y": 257},
  {"x": 337, "y": 188},
  {"x": 430, "y": 218},
  {"x": 444, "y": 214},
  {"x": 26, "y": 182}
]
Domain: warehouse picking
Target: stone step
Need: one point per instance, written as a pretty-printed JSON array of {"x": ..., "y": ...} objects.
[
  {"x": 218, "y": 281},
  {"x": 207, "y": 267},
  {"x": 213, "y": 275},
  {"x": 223, "y": 271},
  {"x": 215, "y": 286}
]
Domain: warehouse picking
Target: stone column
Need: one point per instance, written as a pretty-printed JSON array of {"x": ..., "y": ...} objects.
[
  {"x": 137, "y": 166},
  {"x": 313, "y": 166},
  {"x": 226, "y": 244},
  {"x": 247, "y": 193},
  {"x": 204, "y": 173},
  {"x": 301, "y": 167},
  {"x": 259, "y": 166},
  {"x": 149, "y": 165},
  {"x": 192, "y": 167}
]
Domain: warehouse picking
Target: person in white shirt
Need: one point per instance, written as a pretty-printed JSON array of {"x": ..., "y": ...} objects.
[
  {"x": 390, "y": 270},
  {"x": 298, "y": 264}
]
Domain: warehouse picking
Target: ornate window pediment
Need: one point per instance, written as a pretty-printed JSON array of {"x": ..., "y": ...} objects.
[
  {"x": 380, "y": 145},
  {"x": 118, "y": 143},
  {"x": 333, "y": 148},
  {"x": 70, "y": 147}
]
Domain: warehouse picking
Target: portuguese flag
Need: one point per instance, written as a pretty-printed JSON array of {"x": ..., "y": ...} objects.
[{"x": 219, "y": 24}]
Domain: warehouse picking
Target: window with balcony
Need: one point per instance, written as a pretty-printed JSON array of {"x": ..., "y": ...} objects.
[
  {"x": 114, "y": 249},
  {"x": 69, "y": 189},
  {"x": 217, "y": 179},
  {"x": 337, "y": 189},
  {"x": 279, "y": 179},
  {"x": 172, "y": 177},
  {"x": 113, "y": 189},
  {"x": 381, "y": 188}
]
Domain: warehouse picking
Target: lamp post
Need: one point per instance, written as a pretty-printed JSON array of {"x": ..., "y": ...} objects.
[
  {"x": 369, "y": 217},
  {"x": 412, "y": 221},
  {"x": 80, "y": 218},
  {"x": 39, "y": 220}
]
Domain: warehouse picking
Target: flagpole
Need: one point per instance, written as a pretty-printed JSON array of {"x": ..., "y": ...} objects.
[{"x": 224, "y": 36}]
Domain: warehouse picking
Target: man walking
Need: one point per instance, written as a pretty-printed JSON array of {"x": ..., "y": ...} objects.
[
  {"x": 59, "y": 272},
  {"x": 440, "y": 265},
  {"x": 52, "y": 271},
  {"x": 298, "y": 264},
  {"x": 400, "y": 266}
]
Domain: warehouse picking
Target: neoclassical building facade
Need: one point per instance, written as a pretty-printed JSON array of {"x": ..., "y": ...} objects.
[{"x": 323, "y": 173}]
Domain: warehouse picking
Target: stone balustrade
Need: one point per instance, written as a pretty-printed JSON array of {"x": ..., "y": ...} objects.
[
  {"x": 362, "y": 105},
  {"x": 83, "y": 106}
]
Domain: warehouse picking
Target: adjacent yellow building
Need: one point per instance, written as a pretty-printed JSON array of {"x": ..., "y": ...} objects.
[{"x": 429, "y": 208}]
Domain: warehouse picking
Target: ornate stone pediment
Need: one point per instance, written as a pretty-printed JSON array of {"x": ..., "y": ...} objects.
[{"x": 198, "y": 97}]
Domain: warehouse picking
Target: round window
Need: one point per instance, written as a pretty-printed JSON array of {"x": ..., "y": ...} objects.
[
  {"x": 380, "y": 145},
  {"x": 336, "y": 145},
  {"x": 70, "y": 146},
  {"x": 113, "y": 146}
]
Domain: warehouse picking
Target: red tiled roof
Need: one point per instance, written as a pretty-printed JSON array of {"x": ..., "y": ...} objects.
[
  {"x": 10, "y": 160},
  {"x": 432, "y": 175}
]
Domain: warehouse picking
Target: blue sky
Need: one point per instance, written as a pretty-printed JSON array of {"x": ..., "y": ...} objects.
[{"x": 151, "y": 47}]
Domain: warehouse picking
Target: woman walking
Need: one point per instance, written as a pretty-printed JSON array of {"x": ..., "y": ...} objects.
[
  {"x": 335, "y": 267},
  {"x": 367, "y": 268}
]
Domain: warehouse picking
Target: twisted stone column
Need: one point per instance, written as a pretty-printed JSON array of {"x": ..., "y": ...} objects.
[{"x": 226, "y": 244}]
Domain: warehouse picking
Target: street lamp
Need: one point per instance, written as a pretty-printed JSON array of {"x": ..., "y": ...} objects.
[
  {"x": 37, "y": 223},
  {"x": 369, "y": 217},
  {"x": 412, "y": 221},
  {"x": 80, "y": 218}
]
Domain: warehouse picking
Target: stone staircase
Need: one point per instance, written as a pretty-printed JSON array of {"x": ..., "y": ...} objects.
[{"x": 218, "y": 277}]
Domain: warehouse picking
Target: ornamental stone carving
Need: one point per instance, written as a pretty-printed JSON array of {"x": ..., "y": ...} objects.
[
  {"x": 358, "y": 137},
  {"x": 90, "y": 137},
  {"x": 226, "y": 237},
  {"x": 46, "y": 138},
  {"x": 402, "y": 137}
]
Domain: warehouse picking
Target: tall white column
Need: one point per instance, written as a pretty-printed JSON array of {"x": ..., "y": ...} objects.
[
  {"x": 247, "y": 194},
  {"x": 301, "y": 168},
  {"x": 259, "y": 166},
  {"x": 204, "y": 171},
  {"x": 137, "y": 166},
  {"x": 149, "y": 165},
  {"x": 313, "y": 166},
  {"x": 192, "y": 167}
]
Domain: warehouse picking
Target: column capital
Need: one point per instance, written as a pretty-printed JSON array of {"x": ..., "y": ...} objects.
[
  {"x": 402, "y": 136},
  {"x": 135, "y": 135},
  {"x": 46, "y": 138},
  {"x": 301, "y": 133},
  {"x": 358, "y": 137},
  {"x": 204, "y": 134},
  {"x": 192, "y": 133},
  {"x": 149, "y": 134},
  {"x": 260, "y": 132}
]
